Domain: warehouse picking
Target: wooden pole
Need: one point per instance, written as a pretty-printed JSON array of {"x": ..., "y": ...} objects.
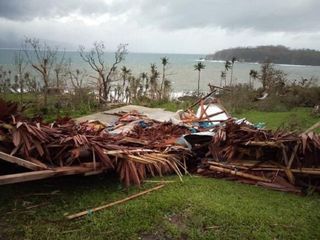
[
  {"x": 86, "y": 212},
  {"x": 37, "y": 175},
  {"x": 199, "y": 100},
  {"x": 240, "y": 174}
]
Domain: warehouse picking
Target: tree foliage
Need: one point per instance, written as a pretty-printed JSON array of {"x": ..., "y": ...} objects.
[{"x": 276, "y": 54}]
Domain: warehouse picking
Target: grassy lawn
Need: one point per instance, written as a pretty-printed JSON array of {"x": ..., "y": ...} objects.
[
  {"x": 296, "y": 119},
  {"x": 198, "y": 208}
]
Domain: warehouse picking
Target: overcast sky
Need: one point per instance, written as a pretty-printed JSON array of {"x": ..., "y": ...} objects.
[{"x": 164, "y": 26}]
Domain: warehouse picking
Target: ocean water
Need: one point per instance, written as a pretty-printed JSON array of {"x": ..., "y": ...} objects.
[{"x": 180, "y": 69}]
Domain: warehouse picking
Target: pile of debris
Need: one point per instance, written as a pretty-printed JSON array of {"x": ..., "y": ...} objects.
[
  {"x": 65, "y": 147},
  {"x": 280, "y": 160},
  {"x": 208, "y": 140}
]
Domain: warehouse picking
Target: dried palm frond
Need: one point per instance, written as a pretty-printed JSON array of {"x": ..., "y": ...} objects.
[{"x": 134, "y": 168}]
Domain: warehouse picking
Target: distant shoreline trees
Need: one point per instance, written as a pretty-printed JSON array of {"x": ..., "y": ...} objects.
[{"x": 276, "y": 54}]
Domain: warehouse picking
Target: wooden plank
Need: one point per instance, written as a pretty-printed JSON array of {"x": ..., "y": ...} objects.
[
  {"x": 25, "y": 177},
  {"x": 86, "y": 212},
  {"x": 37, "y": 175},
  {"x": 19, "y": 161},
  {"x": 254, "y": 166}
]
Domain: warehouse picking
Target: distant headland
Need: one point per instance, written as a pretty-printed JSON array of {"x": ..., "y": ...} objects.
[{"x": 276, "y": 54}]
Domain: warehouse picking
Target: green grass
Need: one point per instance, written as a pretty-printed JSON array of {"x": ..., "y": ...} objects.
[
  {"x": 296, "y": 119},
  {"x": 198, "y": 208},
  {"x": 69, "y": 107}
]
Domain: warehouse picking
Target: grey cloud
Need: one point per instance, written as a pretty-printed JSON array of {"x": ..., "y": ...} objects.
[
  {"x": 28, "y": 10},
  {"x": 271, "y": 15},
  {"x": 258, "y": 15}
]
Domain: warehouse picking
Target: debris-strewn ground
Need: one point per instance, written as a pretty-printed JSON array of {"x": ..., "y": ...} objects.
[{"x": 198, "y": 208}]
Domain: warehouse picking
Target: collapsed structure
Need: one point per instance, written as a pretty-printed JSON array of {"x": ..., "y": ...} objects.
[{"x": 209, "y": 142}]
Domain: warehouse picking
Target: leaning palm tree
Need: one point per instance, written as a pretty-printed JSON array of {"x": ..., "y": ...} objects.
[
  {"x": 164, "y": 62},
  {"x": 227, "y": 65},
  {"x": 198, "y": 67}
]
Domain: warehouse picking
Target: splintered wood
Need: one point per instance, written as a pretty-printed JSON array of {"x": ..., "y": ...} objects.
[
  {"x": 279, "y": 160},
  {"x": 136, "y": 147},
  {"x": 65, "y": 147}
]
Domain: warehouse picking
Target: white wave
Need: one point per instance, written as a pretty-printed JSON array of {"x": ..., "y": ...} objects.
[{"x": 293, "y": 65}]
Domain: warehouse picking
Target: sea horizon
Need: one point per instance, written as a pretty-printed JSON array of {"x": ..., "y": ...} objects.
[{"x": 181, "y": 68}]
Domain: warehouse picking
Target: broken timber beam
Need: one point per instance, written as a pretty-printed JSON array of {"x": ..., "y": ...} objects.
[
  {"x": 37, "y": 175},
  {"x": 21, "y": 162},
  {"x": 239, "y": 174}
]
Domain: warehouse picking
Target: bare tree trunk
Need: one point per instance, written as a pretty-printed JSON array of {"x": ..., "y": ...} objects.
[
  {"x": 46, "y": 86},
  {"x": 105, "y": 89},
  {"x": 57, "y": 78}
]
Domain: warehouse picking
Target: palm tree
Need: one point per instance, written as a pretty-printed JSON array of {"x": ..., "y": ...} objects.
[
  {"x": 223, "y": 76},
  {"x": 253, "y": 75},
  {"x": 134, "y": 87},
  {"x": 198, "y": 67},
  {"x": 167, "y": 87},
  {"x": 154, "y": 75},
  {"x": 233, "y": 60},
  {"x": 125, "y": 73},
  {"x": 145, "y": 82},
  {"x": 227, "y": 66},
  {"x": 164, "y": 62}
]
